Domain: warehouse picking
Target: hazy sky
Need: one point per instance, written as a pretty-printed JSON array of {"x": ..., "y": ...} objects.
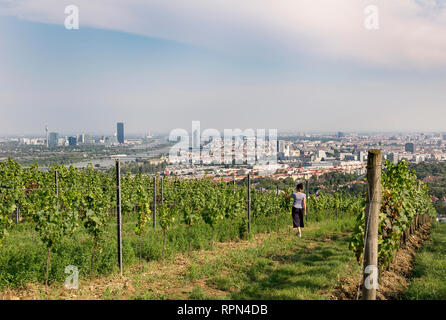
[{"x": 283, "y": 64}]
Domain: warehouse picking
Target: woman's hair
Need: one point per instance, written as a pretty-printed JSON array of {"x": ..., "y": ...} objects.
[{"x": 299, "y": 186}]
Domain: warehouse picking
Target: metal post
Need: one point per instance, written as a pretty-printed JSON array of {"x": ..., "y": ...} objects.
[
  {"x": 249, "y": 203},
  {"x": 154, "y": 202},
  {"x": 56, "y": 185},
  {"x": 162, "y": 189},
  {"x": 308, "y": 197},
  {"x": 370, "y": 274},
  {"x": 233, "y": 183},
  {"x": 118, "y": 214}
]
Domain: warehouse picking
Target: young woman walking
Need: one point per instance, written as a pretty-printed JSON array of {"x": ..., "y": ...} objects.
[{"x": 299, "y": 208}]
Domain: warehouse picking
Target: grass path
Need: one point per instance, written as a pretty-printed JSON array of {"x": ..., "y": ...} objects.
[
  {"x": 269, "y": 266},
  {"x": 429, "y": 273}
]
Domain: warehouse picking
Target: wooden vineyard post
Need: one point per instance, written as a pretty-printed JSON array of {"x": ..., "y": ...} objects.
[
  {"x": 118, "y": 214},
  {"x": 56, "y": 186},
  {"x": 154, "y": 202},
  {"x": 17, "y": 214},
  {"x": 418, "y": 216},
  {"x": 278, "y": 211},
  {"x": 370, "y": 272},
  {"x": 249, "y": 203}
]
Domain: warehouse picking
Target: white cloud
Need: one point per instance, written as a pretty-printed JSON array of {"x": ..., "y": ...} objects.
[{"x": 412, "y": 33}]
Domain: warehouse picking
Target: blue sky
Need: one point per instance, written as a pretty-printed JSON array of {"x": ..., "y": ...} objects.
[{"x": 159, "y": 65}]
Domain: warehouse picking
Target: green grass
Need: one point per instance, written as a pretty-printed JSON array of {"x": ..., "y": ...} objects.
[
  {"x": 23, "y": 256},
  {"x": 198, "y": 294},
  {"x": 284, "y": 267},
  {"x": 429, "y": 273},
  {"x": 275, "y": 266}
]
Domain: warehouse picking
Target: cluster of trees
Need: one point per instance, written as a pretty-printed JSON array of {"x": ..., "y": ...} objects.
[
  {"x": 328, "y": 183},
  {"x": 437, "y": 185},
  {"x": 426, "y": 169},
  {"x": 331, "y": 182}
]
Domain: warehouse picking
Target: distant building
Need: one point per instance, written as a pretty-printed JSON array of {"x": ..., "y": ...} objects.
[
  {"x": 341, "y": 134},
  {"x": 88, "y": 139},
  {"x": 111, "y": 140},
  {"x": 25, "y": 141},
  {"x": 283, "y": 149},
  {"x": 319, "y": 156},
  {"x": 394, "y": 157},
  {"x": 362, "y": 156},
  {"x": 286, "y": 150},
  {"x": 81, "y": 138},
  {"x": 120, "y": 132},
  {"x": 409, "y": 147},
  {"x": 420, "y": 158},
  {"x": 343, "y": 155},
  {"x": 283, "y": 146},
  {"x": 62, "y": 141},
  {"x": 295, "y": 153},
  {"x": 72, "y": 141},
  {"x": 53, "y": 139}
]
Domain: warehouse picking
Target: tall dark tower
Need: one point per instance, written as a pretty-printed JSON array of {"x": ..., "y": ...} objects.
[
  {"x": 409, "y": 147},
  {"x": 120, "y": 132}
]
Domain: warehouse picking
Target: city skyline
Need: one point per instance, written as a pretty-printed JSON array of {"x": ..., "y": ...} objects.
[
  {"x": 297, "y": 132},
  {"x": 284, "y": 133},
  {"x": 288, "y": 66}
]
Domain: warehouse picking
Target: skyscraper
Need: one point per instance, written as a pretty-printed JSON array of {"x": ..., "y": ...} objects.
[
  {"x": 72, "y": 141},
  {"x": 81, "y": 138},
  {"x": 120, "y": 132},
  {"x": 409, "y": 147},
  {"x": 53, "y": 138}
]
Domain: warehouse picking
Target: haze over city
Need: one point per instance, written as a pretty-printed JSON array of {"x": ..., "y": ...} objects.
[{"x": 295, "y": 65}]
